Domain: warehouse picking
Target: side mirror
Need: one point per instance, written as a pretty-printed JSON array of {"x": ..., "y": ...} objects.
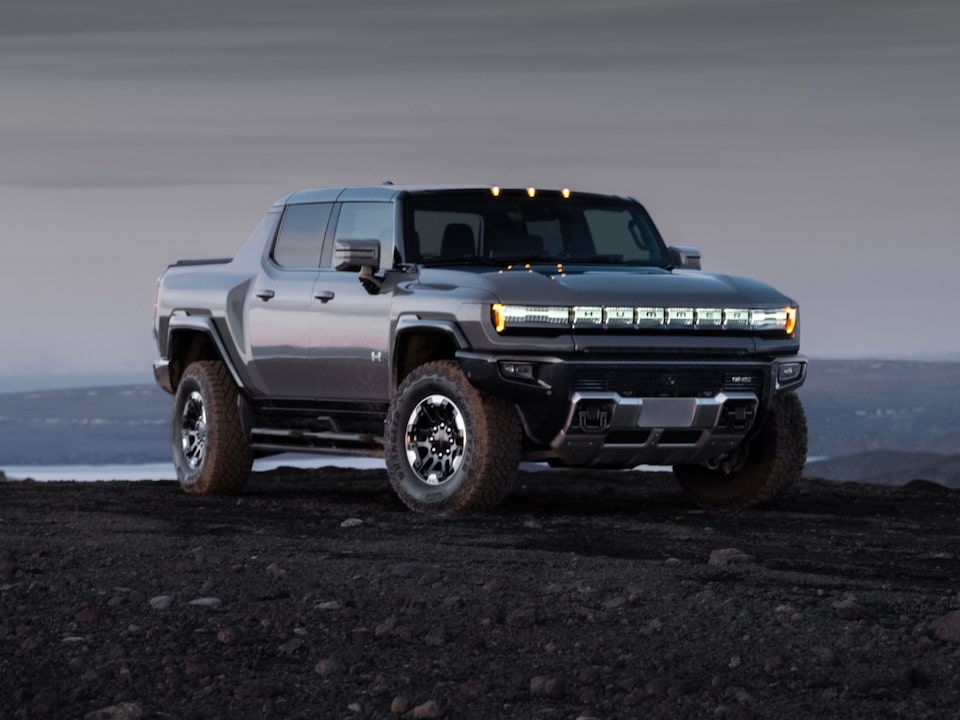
[
  {"x": 685, "y": 256},
  {"x": 359, "y": 255},
  {"x": 355, "y": 255}
]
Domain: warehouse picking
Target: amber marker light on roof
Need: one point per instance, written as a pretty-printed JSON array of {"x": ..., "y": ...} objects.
[
  {"x": 565, "y": 192},
  {"x": 495, "y": 191},
  {"x": 532, "y": 191}
]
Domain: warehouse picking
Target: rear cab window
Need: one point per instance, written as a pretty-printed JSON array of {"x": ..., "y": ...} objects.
[{"x": 300, "y": 240}]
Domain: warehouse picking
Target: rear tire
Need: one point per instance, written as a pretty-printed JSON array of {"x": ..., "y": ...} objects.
[
  {"x": 210, "y": 451},
  {"x": 448, "y": 446},
  {"x": 775, "y": 460}
]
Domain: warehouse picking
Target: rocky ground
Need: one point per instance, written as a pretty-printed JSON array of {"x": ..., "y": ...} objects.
[{"x": 316, "y": 595}]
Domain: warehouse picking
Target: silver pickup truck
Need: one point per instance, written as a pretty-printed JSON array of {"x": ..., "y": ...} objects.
[{"x": 457, "y": 331}]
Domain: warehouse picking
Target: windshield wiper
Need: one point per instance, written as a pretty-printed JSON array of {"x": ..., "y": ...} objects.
[
  {"x": 462, "y": 260},
  {"x": 516, "y": 259},
  {"x": 593, "y": 260}
]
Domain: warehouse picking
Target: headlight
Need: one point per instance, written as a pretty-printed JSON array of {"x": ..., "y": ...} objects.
[
  {"x": 780, "y": 319},
  {"x": 595, "y": 317},
  {"x": 505, "y": 316}
]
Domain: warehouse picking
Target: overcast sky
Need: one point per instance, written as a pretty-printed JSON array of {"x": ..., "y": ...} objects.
[{"x": 814, "y": 144}]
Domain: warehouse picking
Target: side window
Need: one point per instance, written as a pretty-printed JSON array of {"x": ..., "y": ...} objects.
[
  {"x": 368, "y": 221},
  {"x": 301, "y": 235}
]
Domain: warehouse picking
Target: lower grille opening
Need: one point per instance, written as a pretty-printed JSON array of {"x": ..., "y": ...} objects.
[
  {"x": 627, "y": 437},
  {"x": 680, "y": 437}
]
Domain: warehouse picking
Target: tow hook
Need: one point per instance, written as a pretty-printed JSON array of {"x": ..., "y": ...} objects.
[
  {"x": 738, "y": 417},
  {"x": 593, "y": 418}
]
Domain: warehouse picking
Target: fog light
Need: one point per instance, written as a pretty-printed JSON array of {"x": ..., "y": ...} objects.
[
  {"x": 517, "y": 370},
  {"x": 789, "y": 372}
]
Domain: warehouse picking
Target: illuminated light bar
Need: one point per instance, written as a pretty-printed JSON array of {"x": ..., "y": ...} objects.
[
  {"x": 680, "y": 317},
  {"x": 532, "y": 191},
  {"x": 505, "y": 316},
  {"x": 736, "y": 319},
  {"x": 618, "y": 317},
  {"x": 587, "y": 316},
  {"x": 709, "y": 318},
  {"x": 782, "y": 319},
  {"x": 495, "y": 191},
  {"x": 565, "y": 192},
  {"x": 650, "y": 317},
  {"x": 768, "y": 319}
]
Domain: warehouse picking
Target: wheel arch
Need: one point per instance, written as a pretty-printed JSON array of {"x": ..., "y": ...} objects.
[
  {"x": 422, "y": 341},
  {"x": 191, "y": 339}
]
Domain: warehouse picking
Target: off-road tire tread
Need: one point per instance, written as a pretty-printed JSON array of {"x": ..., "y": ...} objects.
[
  {"x": 494, "y": 451},
  {"x": 780, "y": 452},
  {"x": 228, "y": 457}
]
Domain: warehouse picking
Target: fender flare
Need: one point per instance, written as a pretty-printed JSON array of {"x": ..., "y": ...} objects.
[
  {"x": 202, "y": 324},
  {"x": 411, "y": 324}
]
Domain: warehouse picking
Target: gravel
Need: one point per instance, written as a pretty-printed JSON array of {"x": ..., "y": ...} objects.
[{"x": 586, "y": 595}]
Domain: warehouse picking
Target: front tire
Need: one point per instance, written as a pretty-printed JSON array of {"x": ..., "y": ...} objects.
[
  {"x": 775, "y": 460},
  {"x": 448, "y": 446},
  {"x": 210, "y": 451}
]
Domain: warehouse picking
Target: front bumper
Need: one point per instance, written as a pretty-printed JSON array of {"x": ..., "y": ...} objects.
[{"x": 616, "y": 413}]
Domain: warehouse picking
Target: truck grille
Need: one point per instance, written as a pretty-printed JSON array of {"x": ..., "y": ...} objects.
[{"x": 665, "y": 381}]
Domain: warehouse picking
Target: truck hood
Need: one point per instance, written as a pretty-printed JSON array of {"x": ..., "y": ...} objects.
[{"x": 608, "y": 285}]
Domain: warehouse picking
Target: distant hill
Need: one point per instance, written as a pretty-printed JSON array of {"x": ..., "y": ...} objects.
[
  {"x": 856, "y": 406},
  {"x": 889, "y": 467},
  {"x": 905, "y": 414},
  {"x": 85, "y": 426}
]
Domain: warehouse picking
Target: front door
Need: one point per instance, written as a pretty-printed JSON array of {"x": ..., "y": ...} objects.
[{"x": 349, "y": 327}]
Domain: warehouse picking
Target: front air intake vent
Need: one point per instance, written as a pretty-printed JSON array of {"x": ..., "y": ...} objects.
[{"x": 649, "y": 381}]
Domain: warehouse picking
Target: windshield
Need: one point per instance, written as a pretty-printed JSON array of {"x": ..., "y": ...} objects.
[{"x": 470, "y": 226}]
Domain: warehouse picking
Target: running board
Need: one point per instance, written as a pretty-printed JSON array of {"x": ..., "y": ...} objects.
[{"x": 277, "y": 440}]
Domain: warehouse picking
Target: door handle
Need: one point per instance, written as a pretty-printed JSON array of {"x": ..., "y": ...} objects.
[
  {"x": 325, "y": 296},
  {"x": 265, "y": 294}
]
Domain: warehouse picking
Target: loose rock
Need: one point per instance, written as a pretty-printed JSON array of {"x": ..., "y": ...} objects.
[
  {"x": 326, "y": 667},
  {"x": 847, "y": 608},
  {"x": 947, "y": 627},
  {"x": 427, "y": 711},
  {"x": 728, "y": 556},
  {"x": 399, "y": 705},
  {"x": 161, "y": 602},
  {"x": 542, "y": 686},
  {"x": 207, "y": 602}
]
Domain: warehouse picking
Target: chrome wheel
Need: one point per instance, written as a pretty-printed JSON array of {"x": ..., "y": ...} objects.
[
  {"x": 193, "y": 430},
  {"x": 435, "y": 439}
]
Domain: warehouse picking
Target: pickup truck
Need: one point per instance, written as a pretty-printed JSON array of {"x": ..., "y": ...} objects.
[{"x": 458, "y": 331}]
